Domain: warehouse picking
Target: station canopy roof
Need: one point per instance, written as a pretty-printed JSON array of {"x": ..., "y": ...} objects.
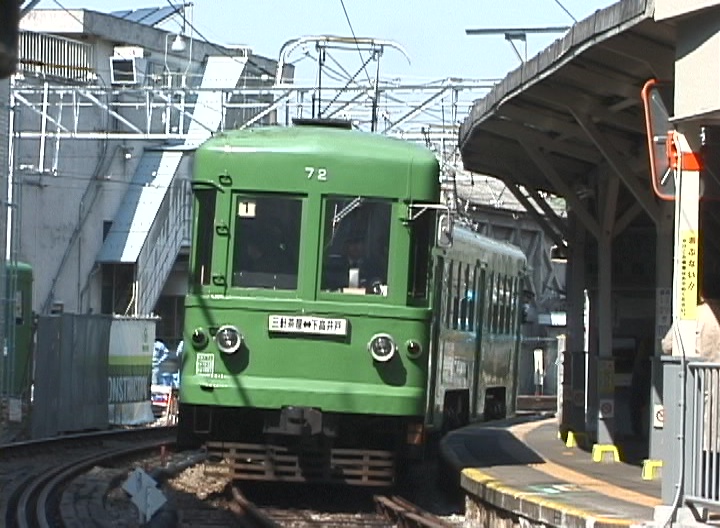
[{"x": 575, "y": 106}]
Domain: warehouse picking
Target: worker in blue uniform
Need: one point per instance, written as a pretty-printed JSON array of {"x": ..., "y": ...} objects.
[{"x": 160, "y": 354}]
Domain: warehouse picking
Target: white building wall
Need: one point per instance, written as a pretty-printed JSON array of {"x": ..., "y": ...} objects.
[
  {"x": 71, "y": 187},
  {"x": 67, "y": 195},
  {"x": 64, "y": 201}
]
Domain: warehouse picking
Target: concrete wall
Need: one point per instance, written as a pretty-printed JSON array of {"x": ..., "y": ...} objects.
[
  {"x": 64, "y": 200},
  {"x": 69, "y": 189}
]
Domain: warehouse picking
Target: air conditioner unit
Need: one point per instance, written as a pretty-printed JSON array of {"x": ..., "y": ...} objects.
[{"x": 127, "y": 65}]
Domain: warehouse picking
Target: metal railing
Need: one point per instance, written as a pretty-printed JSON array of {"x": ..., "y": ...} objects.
[
  {"x": 409, "y": 111},
  {"x": 702, "y": 435},
  {"x": 170, "y": 229},
  {"x": 51, "y": 56}
]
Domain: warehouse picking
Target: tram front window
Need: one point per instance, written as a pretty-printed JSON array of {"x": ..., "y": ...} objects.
[
  {"x": 355, "y": 250},
  {"x": 266, "y": 242}
]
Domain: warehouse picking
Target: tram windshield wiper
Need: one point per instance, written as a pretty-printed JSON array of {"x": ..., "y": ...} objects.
[{"x": 349, "y": 208}]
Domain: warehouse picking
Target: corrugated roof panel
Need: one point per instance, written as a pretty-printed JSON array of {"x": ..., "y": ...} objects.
[
  {"x": 139, "y": 14},
  {"x": 150, "y": 16},
  {"x": 159, "y": 15}
]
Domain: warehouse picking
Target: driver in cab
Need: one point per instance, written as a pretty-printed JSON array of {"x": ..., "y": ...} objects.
[{"x": 363, "y": 271}]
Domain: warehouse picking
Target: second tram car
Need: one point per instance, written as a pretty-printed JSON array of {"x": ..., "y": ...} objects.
[{"x": 326, "y": 331}]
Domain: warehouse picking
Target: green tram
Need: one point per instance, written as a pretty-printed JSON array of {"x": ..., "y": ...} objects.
[
  {"x": 478, "y": 287},
  {"x": 16, "y": 363},
  {"x": 326, "y": 332}
]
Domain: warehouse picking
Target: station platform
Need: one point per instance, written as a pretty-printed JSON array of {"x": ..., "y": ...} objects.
[{"x": 521, "y": 469}]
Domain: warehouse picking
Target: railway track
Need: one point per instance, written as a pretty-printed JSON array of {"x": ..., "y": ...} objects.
[
  {"x": 73, "y": 483},
  {"x": 391, "y": 511},
  {"x": 38, "y": 471},
  {"x": 404, "y": 513}
]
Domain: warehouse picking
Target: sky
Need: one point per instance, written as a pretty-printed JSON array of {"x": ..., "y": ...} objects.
[{"x": 432, "y": 32}]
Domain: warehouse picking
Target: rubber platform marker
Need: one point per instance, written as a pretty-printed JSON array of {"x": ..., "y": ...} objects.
[
  {"x": 600, "y": 450},
  {"x": 651, "y": 469},
  {"x": 575, "y": 439},
  {"x": 600, "y": 486}
]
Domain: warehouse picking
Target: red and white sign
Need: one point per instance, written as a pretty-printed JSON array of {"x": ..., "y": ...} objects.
[
  {"x": 607, "y": 409},
  {"x": 658, "y": 416}
]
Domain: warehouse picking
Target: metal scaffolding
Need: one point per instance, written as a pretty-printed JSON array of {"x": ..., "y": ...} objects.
[
  {"x": 162, "y": 107},
  {"x": 427, "y": 113}
]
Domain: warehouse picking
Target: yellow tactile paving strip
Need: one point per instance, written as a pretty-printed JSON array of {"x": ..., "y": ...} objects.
[
  {"x": 557, "y": 471},
  {"x": 599, "y": 486},
  {"x": 491, "y": 483}
]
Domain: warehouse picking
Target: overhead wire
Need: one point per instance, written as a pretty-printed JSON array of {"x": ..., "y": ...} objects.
[
  {"x": 68, "y": 11},
  {"x": 352, "y": 31},
  {"x": 567, "y": 12}
]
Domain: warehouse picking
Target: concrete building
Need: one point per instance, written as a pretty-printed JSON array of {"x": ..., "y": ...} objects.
[{"x": 107, "y": 110}]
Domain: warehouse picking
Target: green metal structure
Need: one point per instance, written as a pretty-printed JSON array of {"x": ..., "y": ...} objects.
[{"x": 16, "y": 361}]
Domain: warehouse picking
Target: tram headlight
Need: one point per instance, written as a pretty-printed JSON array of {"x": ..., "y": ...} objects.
[
  {"x": 228, "y": 339},
  {"x": 199, "y": 338},
  {"x": 414, "y": 349},
  {"x": 382, "y": 347}
]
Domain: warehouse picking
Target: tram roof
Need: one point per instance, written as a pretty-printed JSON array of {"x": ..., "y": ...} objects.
[{"x": 566, "y": 111}]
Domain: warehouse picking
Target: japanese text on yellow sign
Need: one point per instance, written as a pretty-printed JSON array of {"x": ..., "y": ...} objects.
[{"x": 688, "y": 274}]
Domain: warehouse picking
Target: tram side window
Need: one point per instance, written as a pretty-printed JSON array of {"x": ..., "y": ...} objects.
[
  {"x": 471, "y": 297},
  {"x": 481, "y": 278},
  {"x": 420, "y": 237},
  {"x": 513, "y": 305},
  {"x": 447, "y": 282},
  {"x": 203, "y": 236},
  {"x": 462, "y": 295},
  {"x": 467, "y": 300},
  {"x": 510, "y": 293},
  {"x": 456, "y": 293},
  {"x": 501, "y": 305},
  {"x": 496, "y": 304},
  {"x": 489, "y": 302},
  {"x": 507, "y": 307},
  {"x": 266, "y": 242}
]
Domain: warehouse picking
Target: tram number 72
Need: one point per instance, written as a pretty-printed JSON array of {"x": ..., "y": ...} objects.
[{"x": 319, "y": 173}]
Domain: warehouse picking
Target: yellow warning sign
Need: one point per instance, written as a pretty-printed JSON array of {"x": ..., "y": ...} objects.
[{"x": 688, "y": 274}]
